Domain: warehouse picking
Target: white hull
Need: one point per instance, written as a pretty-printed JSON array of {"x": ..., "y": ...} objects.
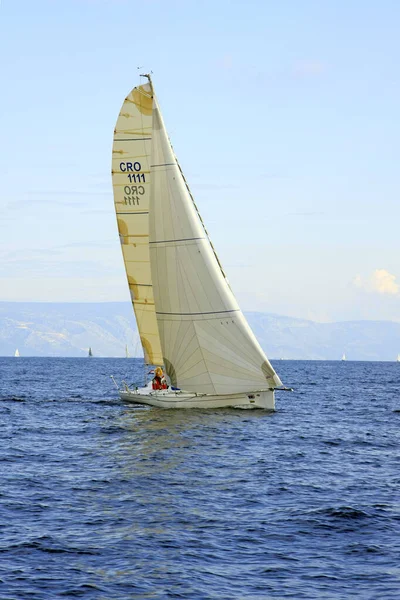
[{"x": 169, "y": 399}]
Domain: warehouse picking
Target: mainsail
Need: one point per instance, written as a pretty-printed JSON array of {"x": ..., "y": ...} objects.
[
  {"x": 208, "y": 346},
  {"x": 131, "y": 184}
]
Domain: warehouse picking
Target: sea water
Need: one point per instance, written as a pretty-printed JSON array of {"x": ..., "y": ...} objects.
[{"x": 101, "y": 499}]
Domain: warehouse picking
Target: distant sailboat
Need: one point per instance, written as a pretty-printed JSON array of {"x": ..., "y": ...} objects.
[
  {"x": 398, "y": 358},
  {"x": 126, "y": 351},
  {"x": 17, "y": 352},
  {"x": 188, "y": 318},
  {"x": 90, "y": 353},
  {"x": 344, "y": 357}
]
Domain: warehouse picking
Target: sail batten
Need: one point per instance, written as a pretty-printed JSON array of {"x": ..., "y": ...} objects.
[{"x": 207, "y": 344}]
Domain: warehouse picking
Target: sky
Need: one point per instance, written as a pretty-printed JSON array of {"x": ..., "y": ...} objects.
[{"x": 283, "y": 115}]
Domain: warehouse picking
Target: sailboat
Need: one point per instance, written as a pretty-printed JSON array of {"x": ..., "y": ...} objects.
[
  {"x": 16, "y": 353},
  {"x": 126, "y": 351},
  {"x": 344, "y": 356},
  {"x": 90, "y": 353},
  {"x": 187, "y": 316},
  {"x": 398, "y": 358}
]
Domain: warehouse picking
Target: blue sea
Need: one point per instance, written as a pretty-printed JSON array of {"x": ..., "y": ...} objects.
[{"x": 100, "y": 499}]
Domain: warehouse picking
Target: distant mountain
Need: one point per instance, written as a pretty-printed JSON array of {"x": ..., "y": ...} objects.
[
  {"x": 69, "y": 329},
  {"x": 288, "y": 338}
]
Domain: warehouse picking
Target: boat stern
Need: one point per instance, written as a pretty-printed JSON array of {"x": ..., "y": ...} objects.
[{"x": 263, "y": 399}]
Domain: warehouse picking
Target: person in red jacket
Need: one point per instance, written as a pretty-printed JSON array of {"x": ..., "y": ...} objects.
[{"x": 159, "y": 381}]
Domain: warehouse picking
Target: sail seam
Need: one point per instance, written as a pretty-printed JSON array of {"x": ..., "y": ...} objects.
[
  {"x": 187, "y": 276},
  {"x": 195, "y": 334},
  {"x": 180, "y": 240},
  {"x": 192, "y": 366},
  {"x": 218, "y": 312},
  {"x": 228, "y": 339},
  {"x": 133, "y": 139},
  {"x": 133, "y": 213},
  {"x": 165, "y": 165}
]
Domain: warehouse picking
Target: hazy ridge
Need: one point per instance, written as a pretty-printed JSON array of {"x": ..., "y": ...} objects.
[{"x": 68, "y": 329}]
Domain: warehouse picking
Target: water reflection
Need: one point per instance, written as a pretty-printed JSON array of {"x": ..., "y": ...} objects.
[{"x": 160, "y": 439}]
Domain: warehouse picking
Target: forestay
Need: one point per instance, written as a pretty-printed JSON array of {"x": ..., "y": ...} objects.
[
  {"x": 131, "y": 184},
  {"x": 207, "y": 344}
]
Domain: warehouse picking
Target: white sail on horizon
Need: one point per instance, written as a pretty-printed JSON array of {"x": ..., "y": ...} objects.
[{"x": 16, "y": 353}]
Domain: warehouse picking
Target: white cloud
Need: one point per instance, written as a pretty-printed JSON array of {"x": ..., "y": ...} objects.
[{"x": 380, "y": 282}]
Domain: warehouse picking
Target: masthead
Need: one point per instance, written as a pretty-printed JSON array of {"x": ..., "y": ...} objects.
[{"x": 148, "y": 75}]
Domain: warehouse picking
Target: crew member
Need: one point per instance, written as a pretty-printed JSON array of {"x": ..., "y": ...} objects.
[{"x": 159, "y": 381}]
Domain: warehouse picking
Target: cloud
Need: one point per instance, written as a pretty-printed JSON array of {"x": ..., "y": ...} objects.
[{"x": 380, "y": 282}]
